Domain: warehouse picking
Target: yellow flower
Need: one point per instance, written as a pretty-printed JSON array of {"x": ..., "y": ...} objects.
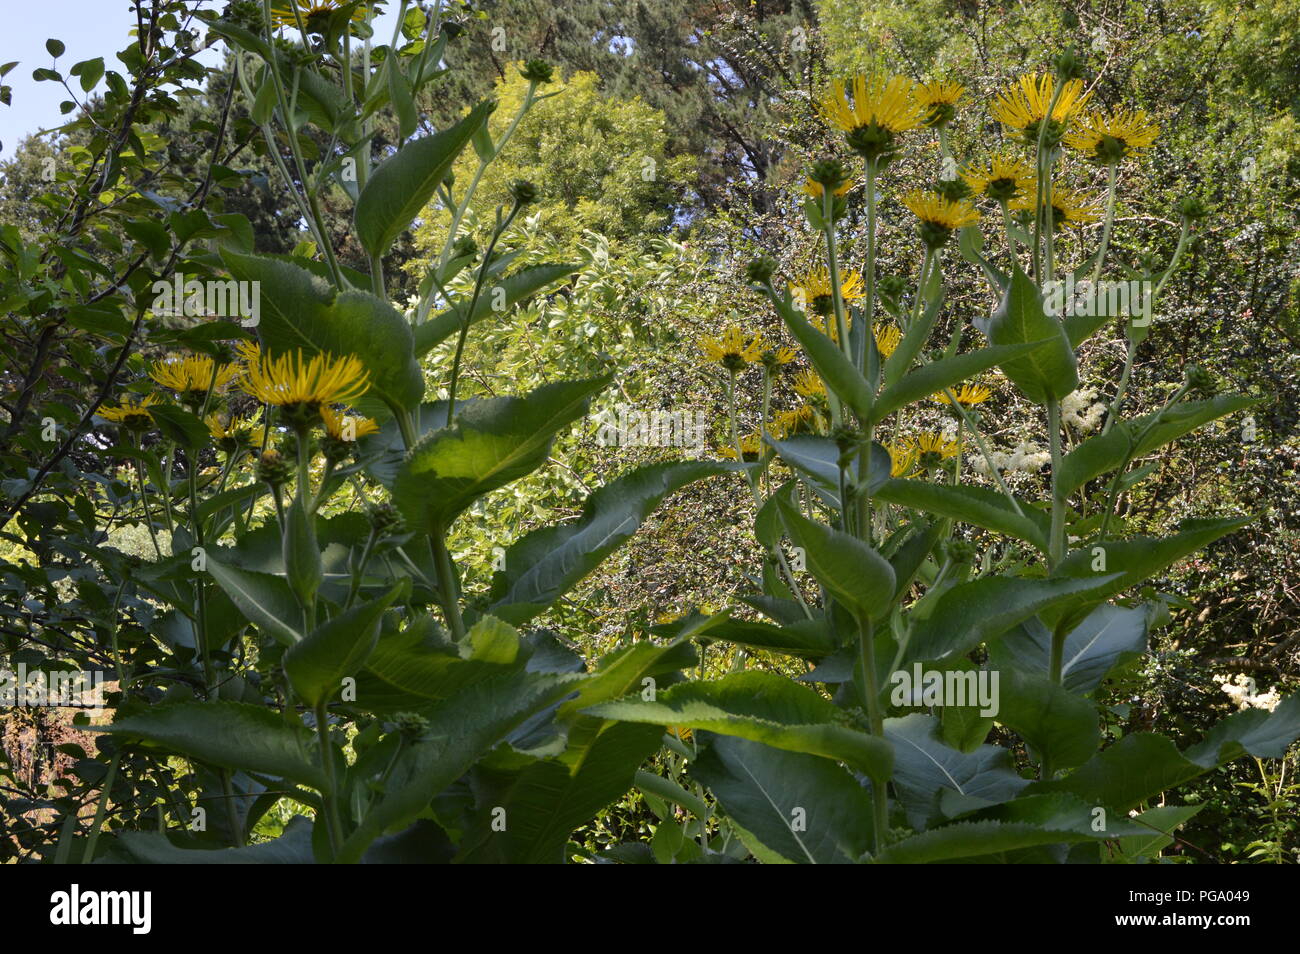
[
  {"x": 933, "y": 209},
  {"x": 940, "y": 101},
  {"x": 814, "y": 290},
  {"x": 1068, "y": 206},
  {"x": 789, "y": 422},
  {"x": 751, "y": 446},
  {"x": 968, "y": 395},
  {"x": 680, "y": 731},
  {"x": 902, "y": 458},
  {"x": 730, "y": 349},
  {"x": 224, "y": 427},
  {"x": 1108, "y": 138},
  {"x": 809, "y": 384},
  {"x": 282, "y": 12},
  {"x": 932, "y": 449},
  {"x": 192, "y": 373},
  {"x": 132, "y": 414},
  {"x": 876, "y": 101},
  {"x": 779, "y": 356},
  {"x": 815, "y": 190},
  {"x": 1023, "y": 106},
  {"x": 872, "y": 112},
  {"x": 887, "y": 339},
  {"x": 346, "y": 427},
  {"x": 293, "y": 380},
  {"x": 1005, "y": 178}
]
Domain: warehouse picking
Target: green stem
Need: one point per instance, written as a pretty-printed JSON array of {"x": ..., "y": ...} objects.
[
  {"x": 330, "y": 796},
  {"x": 1056, "y": 542},
  {"x": 1107, "y": 224},
  {"x": 870, "y": 688}
]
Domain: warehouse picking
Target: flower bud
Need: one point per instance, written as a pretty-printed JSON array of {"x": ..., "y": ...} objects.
[
  {"x": 760, "y": 270},
  {"x": 523, "y": 192},
  {"x": 537, "y": 71}
]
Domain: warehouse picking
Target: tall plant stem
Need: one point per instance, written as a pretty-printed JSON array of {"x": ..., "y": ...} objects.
[
  {"x": 1107, "y": 225},
  {"x": 870, "y": 688},
  {"x": 329, "y": 797},
  {"x": 1056, "y": 542}
]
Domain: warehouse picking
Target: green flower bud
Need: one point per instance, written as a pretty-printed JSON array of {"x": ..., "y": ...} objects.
[
  {"x": 523, "y": 192},
  {"x": 537, "y": 71},
  {"x": 760, "y": 270}
]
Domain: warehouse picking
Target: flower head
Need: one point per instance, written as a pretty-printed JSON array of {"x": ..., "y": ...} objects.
[
  {"x": 1023, "y": 107},
  {"x": 1109, "y": 138},
  {"x": 933, "y": 449},
  {"x": 346, "y": 427},
  {"x": 193, "y": 374},
  {"x": 751, "y": 447},
  {"x": 731, "y": 350},
  {"x": 940, "y": 101},
  {"x": 939, "y": 216},
  {"x": 902, "y": 458},
  {"x": 872, "y": 112},
  {"x": 1004, "y": 179},
  {"x": 968, "y": 395},
  {"x": 1069, "y": 207},
  {"x": 295, "y": 381},
  {"x": 777, "y": 356},
  {"x": 230, "y": 432},
  {"x": 809, "y": 384},
  {"x": 792, "y": 421},
  {"x": 132, "y": 414},
  {"x": 815, "y": 190},
  {"x": 887, "y": 339},
  {"x": 814, "y": 290}
]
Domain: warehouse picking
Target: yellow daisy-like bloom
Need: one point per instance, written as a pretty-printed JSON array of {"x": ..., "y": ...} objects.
[
  {"x": 872, "y": 112},
  {"x": 968, "y": 395},
  {"x": 1005, "y": 178},
  {"x": 293, "y": 380},
  {"x": 888, "y": 103},
  {"x": 751, "y": 447},
  {"x": 789, "y": 422},
  {"x": 816, "y": 190},
  {"x": 933, "y": 449},
  {"x": 814, "y": 290},
  {"x": 132, "y": 414},
  {"x": 282, "y": 12},
  {"x": 194, "y": 373},
  {"x": 809, "y": 384},
  {"x": 346, "y": 427},
  {"x": 778, "y": 357},
  {"x": 225, "y": 428},
  {"x": 933, "y": 209},
  {"x": 940, "y": 101},
  {"x": 679, "y": 731},
  {"x": 1068, "y": 206},
  {"x": 902, "y": 458},
  {"x": 887, "y": 339},
  {"x": 731, "y": 350},
  {"x": 1108, "y": 138},
  {"x": 1023, "y": 105}
]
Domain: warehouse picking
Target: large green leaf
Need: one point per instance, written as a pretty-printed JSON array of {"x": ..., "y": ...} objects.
[
  {"x": 1256, "y": 732},
  {"x": 925, "y": 767},
  {"x": 545, "y": 797},
  {"x": 301, "y": 312},
  {"x": 317, "y": 665},
  {"x": 542, "y": 566},
  {"x": 1092, "y": 649},
  {"x": 266, "y": 600},
  {"x": 806, "y": 638},
  {"x": 762, "y": 707},
  {"x": 1106, "y": 452},
  {"x": 402, "y": 186},
  {"x": 490, "y": 443},
  {"x": 1049, "y": 370},
  {"x": 978, "y": 611},
  {"x": 932, "y": 378},
  {"x": 978, "y": 506},
  {"x": 500, "y": 293},
  {"x": 231, "y": 735},
  {"x": 460, "y": 730},
  {"x": 789, "y": 807},
  {"x": 857, "y": 576},
  {"x": 1060, "y": 727}
]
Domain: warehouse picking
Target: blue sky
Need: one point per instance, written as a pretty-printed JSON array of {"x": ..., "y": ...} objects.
[{"x": 88, "y": 28}]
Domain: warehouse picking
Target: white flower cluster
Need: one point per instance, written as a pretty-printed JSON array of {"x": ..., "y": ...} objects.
[
  {"x": 1027, "y": 457},
  {"x": 1079, "y": 411},
  {"x": 1241, "y": 690}
]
